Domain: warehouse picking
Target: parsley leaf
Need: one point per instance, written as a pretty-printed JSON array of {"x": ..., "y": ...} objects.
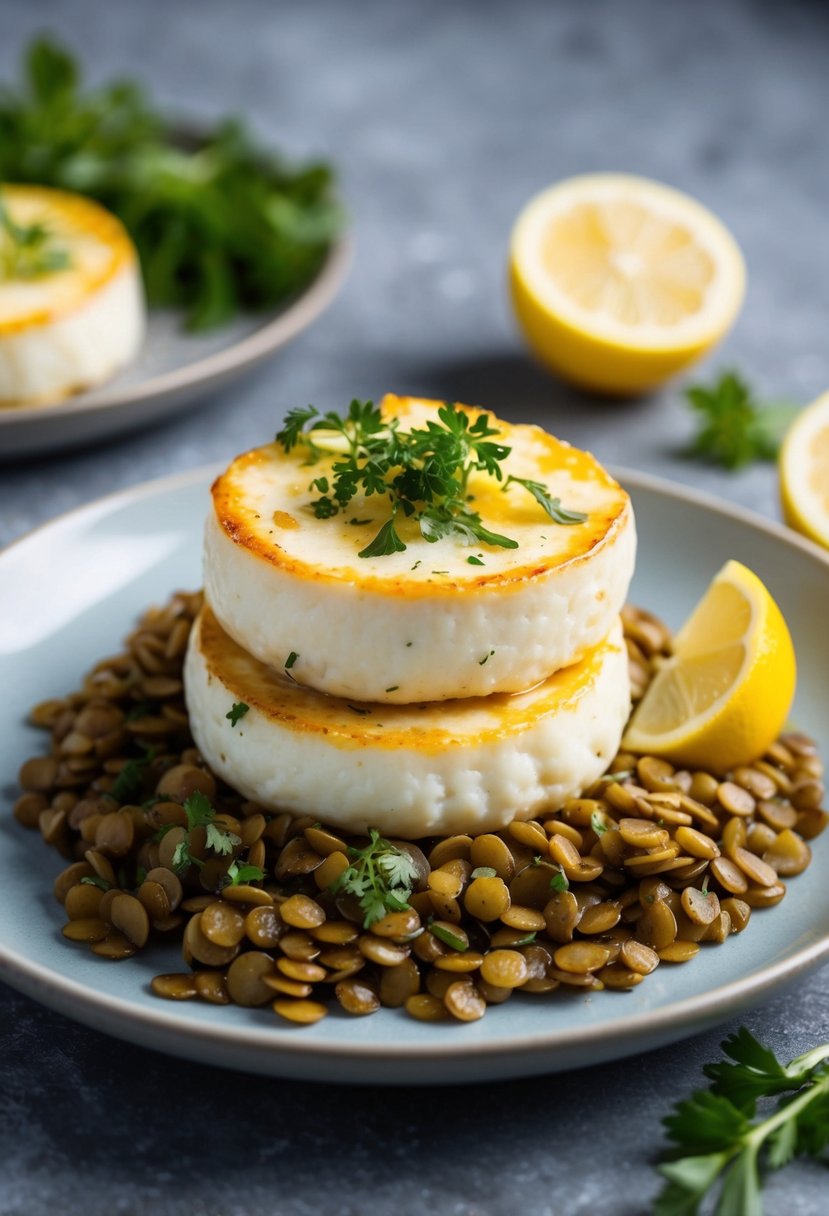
[
  {"x": 551, "y": 505},
  {"x": 237, "y": 875},
  {"x": 28, "y": 251},
  {"x": 236, "y": 712},
  {"x": 424, "y": 472},
  {"x": 559, "y": 882},
  {"x": 719, "y": 1144},
  {"x": 127, "y": 785},
  {"x": 200, "y": 813},
  {"x": 734, "y": 428},
  {"x": 381, "y": 876}
]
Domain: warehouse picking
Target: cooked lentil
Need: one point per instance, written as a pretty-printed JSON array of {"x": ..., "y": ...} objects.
[{"x": 647, "y": 868}]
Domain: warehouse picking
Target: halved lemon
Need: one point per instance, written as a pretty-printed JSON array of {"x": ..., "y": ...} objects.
[
  {"x": 804, "y": 472},
  {"x": 619, "y": 281},
  {"x": 724, "y": 695}
]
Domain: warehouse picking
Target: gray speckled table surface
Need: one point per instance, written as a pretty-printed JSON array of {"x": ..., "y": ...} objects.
[{"x": 444, "y": 118}]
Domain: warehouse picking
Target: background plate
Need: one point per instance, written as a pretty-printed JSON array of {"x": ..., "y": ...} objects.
[
  {"x": 70, "y": 592},
  {"x": 174, "y": 370}
]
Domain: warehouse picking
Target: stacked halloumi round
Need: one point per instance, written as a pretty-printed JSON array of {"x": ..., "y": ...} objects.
[{"x": 418, "y": 692}]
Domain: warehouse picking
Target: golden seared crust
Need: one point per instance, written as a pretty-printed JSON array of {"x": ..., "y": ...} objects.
[
  {"x": 429, "y": 727},
  {"x": 261, "y": 504},
  {"x": 97, "y": 242}
]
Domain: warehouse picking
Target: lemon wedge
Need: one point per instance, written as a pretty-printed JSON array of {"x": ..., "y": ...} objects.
[
  {"x": 618, "y": 281},
  {"x": 724, "y": 695},
  {"x": 804, "y": 472}
]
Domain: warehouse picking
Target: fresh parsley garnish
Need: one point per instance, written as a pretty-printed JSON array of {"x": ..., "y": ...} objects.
[
  {"x": 486, "y": 658},
  {"x": 597, "y": 823},
  {"x": 127, "y": 785},
  {"x": 734, "y": 428},
  {"x": 28, "y": 251},
  {"x": 200, "y": 814},
  {"x": 444, "y": 934},
  {"x": 236, "y": 712},
  {"x": 236, "y": 874},
  {"x": 559, "y": 881},
  {"x": 291, "y": 659},
  {"x": 475, "y": 561},
  {"x": 423, "y": 472},
  {"x": 220, "y": 225},
  {"x": 380, "y": 875},
  {"x": 95, "y": 880},
  {"x": 721, "y": 1143}
]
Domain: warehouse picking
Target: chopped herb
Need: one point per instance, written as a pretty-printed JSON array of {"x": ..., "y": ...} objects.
[
  {"x": 356, "y": 709},
  {"x": 440, "y": 572},
  {"x": 414, "y": 567},
  {"x": 28, "y": 251},
  {"x": 553, "y": 507},
  {"x": 128, "y": 783},
  {"x": 220, "y": 224},
  {"x": 182, "y": 857},
  {"x": 236, "y": 875},
  {"x": 381, "y": 876},
  {"x": 409, "y": 643},
  {"x": 95, "y": 880},
  {"x": 475, "y": 561},
  {"x": 559, "y": 881},
  {"x": 704, "y": 887},
  {"x": 526, "y": 940},
  {"x": 622, "y": 775},
  {"x": 721, "y": 1143},
  {"x": 597, "y": 823},
  {"x": 237, "y": 711},
  {"x": 163, "y": 830},
  {"x": 424, "y": 472},
  {"x": 734, "y": 428},
  {"x": 359, "y": 523},
  {"x": 392, "y": 688},
  {"x": 484, "y": 872},
  {"x": 200, "y": 813},
  {"x": 445, "y": 935},
  {"x": 291, "y": 659},
  {"x": 486, "y": 658}
]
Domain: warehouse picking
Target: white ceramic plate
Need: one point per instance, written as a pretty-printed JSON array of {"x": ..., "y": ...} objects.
[
  {"x": 175, "y": 370},
  {"x": 69, "y": 593}
]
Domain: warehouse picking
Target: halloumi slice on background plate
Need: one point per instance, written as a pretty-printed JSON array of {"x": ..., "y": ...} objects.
[
  {"x": 424, "y": 624},
  {"x": 69, "y": 328},
  {"x": 468, "y": 765}
]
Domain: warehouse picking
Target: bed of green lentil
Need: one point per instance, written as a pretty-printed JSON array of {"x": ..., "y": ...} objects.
[{"x": 648, "y": 867}]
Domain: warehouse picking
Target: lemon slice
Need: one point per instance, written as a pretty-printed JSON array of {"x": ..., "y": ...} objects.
[
  {"x": 724, "y": 696},
  {"x": 804, "y": 472},
  {"x": 618, "y": 281}
]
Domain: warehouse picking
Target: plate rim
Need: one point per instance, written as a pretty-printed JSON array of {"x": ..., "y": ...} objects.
[
  {"x": 74, "y": 999},
  {"x": 265, "y": 340}
]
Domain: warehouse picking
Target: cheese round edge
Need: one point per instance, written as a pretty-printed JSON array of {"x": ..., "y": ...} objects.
[
  {"x": 422, "y": 625},
  {"x": 60, "y": 338},
  {"x": 409, "y": 771}
]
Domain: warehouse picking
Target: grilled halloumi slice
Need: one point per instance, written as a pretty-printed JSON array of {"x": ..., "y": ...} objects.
[
  {"x": 468, "y": 765},
  {"x": 425, "y": 624},
  {"x": 80, "y": 316}
]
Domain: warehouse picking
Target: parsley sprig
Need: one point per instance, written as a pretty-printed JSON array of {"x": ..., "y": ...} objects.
[
  {"x": 720, "y": 1142},
  {"x": 28, "y": 251},
  {"x": 424, "y": 472},
  {"x": 734, "y": 428},
  {"x": 380, "y": 875},
  {"x": 200, "y": 813}
]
